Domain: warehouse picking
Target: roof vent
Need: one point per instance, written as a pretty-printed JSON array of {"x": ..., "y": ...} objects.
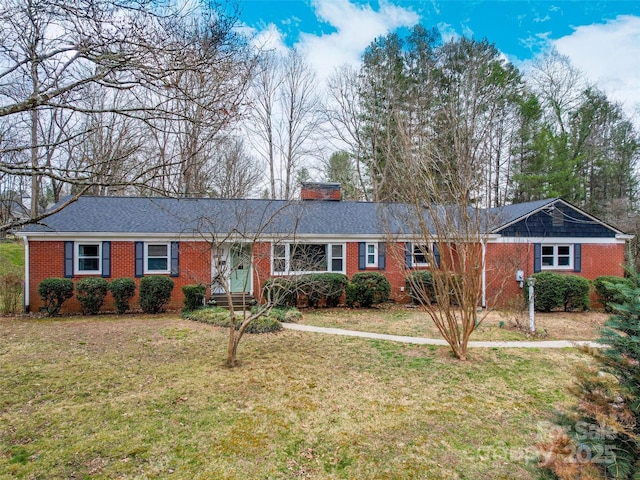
[{"x": 320, "y": 191}]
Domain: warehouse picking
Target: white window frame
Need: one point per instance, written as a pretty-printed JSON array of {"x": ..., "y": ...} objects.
[
  {"x": 374, "y": 263},
  {"x": 331, "y": 258},
  {"x": 556, "y": 256},
  {"x": 147, "y": 271},
  {"x": 76, "y": 260},
  {"x": 329, "y": 253},
  {"x": 413, "y": 255}
]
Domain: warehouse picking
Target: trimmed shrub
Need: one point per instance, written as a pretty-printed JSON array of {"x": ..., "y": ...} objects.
[
  {"x": 333, "y": 286},
  {"x": 122, "y": 290},
  {"x": 367, "y": 289},
  {"x": 285, "y": 314},
  {"x": 419, "y": 286},
  {"x": 549, "y": 291},
  {"x": 194, "y": 296},
  {"x": 323, "y": 288},
  {"x": 10, "y": 293},
  {"x": 264, "y": 324},
  {"x": 576, "y": 293},
  {"x": 554, "y": 290},
  {"x": 155, "y": 292},
  {"x": 607, "y": 292},
  {"x": 281, "y": 291},
  {"x": 212, "y": 315},
  {"x": 90, "y": 292},
  {"x": 220, "y": 317},
  {"x": 54, "y": 292}
]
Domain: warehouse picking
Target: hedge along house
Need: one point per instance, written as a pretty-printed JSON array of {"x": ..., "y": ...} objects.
[{"x": 241, "y": 243}]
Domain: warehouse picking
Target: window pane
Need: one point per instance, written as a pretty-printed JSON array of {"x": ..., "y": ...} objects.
[
  {"x": 547, "y": 250},
  {"x": 157, "y": 250},
  {"x": 310, "y": 257},
  {"x": 419, "y": 253},
  {"x": 563, "y": 249},
  {"x": 278, "y": 264},
  {"x": 564, "y": 261},
  {"x": 371, "y": 259},
  {"x": 336, "y": 251},
  {"x": 88, "y": 264},
  {"x": 157, "y": 264},
  {"x": 88, "y": 250},
  {"x": 371, "y": 248},
  {"x": 336, "y": 265},
  {"x": 279, "y": 251}
]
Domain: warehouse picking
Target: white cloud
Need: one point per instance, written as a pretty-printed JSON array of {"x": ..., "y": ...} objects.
[
  {"x": 609, "y": 54},
  {"x": 269, "y": 38},
  {"x": 447, "y": 32},
  {"x": 356, "y": 26}
]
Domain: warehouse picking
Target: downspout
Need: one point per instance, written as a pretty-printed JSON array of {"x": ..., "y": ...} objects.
[
  {"x": 26, "y": 300},
  {"x": 484, "y": 274}
]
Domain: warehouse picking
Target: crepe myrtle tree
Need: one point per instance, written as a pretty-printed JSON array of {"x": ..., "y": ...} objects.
[
  {"x": 241, "y": 240},
  {"x": 441, "y": 205}
]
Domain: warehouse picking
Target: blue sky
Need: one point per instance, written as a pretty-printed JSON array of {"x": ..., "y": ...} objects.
[{"x": 602, "y": 38}]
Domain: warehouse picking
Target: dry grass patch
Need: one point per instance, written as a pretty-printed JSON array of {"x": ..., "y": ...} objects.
[
  {"x": 497, "y": 325},
  {"x": 147, "y": 397}
]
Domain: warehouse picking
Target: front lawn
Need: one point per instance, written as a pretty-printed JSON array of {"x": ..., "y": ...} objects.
[
  {"x": 148, "y": 397},
  {"x": 496, "y": 325}
]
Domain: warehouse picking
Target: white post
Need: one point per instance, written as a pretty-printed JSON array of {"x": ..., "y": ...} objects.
[{"x": 532, "y": 320}]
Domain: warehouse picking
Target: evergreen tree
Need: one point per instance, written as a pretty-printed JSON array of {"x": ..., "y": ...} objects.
[{"x": 601, "y": 434}]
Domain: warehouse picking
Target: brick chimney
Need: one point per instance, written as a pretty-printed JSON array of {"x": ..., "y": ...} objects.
[{"x": 320, "y": 191}]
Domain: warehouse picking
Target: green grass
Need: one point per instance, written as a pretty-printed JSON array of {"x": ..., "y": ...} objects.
[
  {"x": 397, "y": 320},
  {"x": 148, "y": 397},
  {"x": 11, "y": 256},
  {"x": 495, "y": 325}
]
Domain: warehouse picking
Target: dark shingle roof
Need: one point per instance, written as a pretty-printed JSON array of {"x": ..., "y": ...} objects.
[
  {"x": 178, "y": 216},
  {"x": 501, "y": 216},
  {"x": 171, "y": 216}
]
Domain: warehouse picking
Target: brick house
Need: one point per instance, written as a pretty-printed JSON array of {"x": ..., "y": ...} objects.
[{"x": 248, "y": 241}]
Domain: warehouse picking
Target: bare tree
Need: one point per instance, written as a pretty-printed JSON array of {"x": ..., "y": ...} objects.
[
  {"x": 263, "y": 114},
  {"x": 56, "y": 55},
  {"x": 235, "y": 173},
  {"x": 241, "y": 237},
  {"x": 286, "y": 122},
  {"x": 443, "y": 212},
  {"x": 344, "y": 114}
]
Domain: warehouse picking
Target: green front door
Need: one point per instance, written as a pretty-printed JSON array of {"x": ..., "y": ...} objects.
[{"x": 240, "y": 280}]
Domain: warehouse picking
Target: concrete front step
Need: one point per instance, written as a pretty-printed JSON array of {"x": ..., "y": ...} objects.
[{"x": 239, "y": 300}]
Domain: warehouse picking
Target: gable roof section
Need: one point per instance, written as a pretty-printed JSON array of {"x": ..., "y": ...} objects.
[{"x": 536, "y": 219}]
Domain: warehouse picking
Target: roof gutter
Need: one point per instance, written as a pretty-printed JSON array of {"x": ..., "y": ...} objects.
[{"x": 27, "y": 296}]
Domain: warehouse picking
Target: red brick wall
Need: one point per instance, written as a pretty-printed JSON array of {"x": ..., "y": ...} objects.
[
  {"x": 503, "y": 259},
  {"x": 46, "y": 259},
  {"x": 319, "y": 192},
  {"x": 261, "y": 266},
  {"x": 395, "y": 270}
]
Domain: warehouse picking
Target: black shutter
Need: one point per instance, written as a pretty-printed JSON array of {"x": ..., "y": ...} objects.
[
  {"x": 106, "y": 259},
  {"x": 436, "y": 254},
  {"x": 537, "y": 257},
  {"x": 408, "y": 254},
  {"x": 577, "y": 257},
  {"x": 382, "y": 255},
  {"x": 139, "y": 259},
  {"x": 175, "y": 259},
  {"x": 362, "y": 255},
  {"x": 68, "y": 259}
]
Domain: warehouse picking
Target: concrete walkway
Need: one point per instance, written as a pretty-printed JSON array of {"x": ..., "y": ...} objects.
[{"x": 434, "y": 341}]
